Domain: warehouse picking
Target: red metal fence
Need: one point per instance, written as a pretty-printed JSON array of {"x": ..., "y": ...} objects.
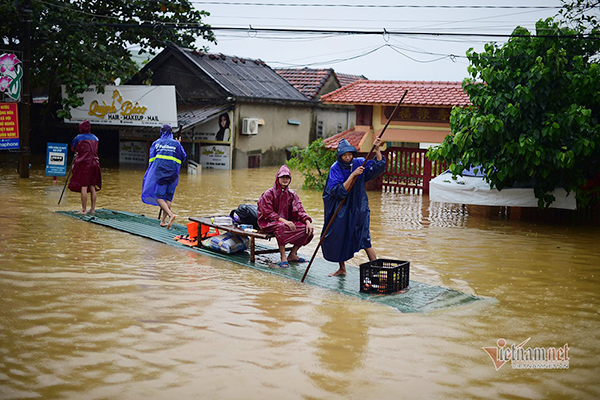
[{"x": 408, "y": 170}]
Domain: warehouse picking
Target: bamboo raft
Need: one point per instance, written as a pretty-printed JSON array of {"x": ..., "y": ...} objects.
[{"x": 418, "y": 298}]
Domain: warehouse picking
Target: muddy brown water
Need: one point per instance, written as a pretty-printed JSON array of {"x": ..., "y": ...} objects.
[{"x": 88, "y": 312}]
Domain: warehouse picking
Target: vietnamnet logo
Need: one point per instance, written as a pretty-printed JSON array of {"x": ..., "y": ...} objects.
[{"x": 528, "y": 358}]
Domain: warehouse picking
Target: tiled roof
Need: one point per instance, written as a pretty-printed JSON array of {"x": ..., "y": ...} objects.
[
  {"x": 346, "y": 79},
  {"x": 422, "y": 93},
  {"x": 351, "y": 135},
  {"x": 306, "y": 80},
  {"x": 243, "y": 77}
]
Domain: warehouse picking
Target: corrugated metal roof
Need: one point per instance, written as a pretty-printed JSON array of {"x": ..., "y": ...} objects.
[
  {"x": 193, "y": 116},
  {"x": 245, "y": 78}
]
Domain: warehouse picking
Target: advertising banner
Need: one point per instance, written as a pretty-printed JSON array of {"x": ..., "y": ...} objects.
[
  {"x": 56, "y": 159},
  {"x": 9, "y": 126},
  {"x": 133, "y": 152},
  {"x": 214, "y": 156},
  {"x": 127, "y": 105}
]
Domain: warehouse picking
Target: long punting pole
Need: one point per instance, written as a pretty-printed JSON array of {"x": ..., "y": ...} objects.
[
  {"x": 350, "y": 188},
  {"x": 67, "y": 181}
]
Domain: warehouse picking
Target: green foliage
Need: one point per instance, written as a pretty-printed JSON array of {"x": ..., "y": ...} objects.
[
  {"x": 535, "y": 113},
  {"x": 314, "y": 163},
  {"x": 78, "y": 43}
]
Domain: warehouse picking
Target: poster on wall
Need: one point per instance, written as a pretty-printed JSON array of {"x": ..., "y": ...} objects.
[
  {"x": 9, "y": 126},
  {"x": 214, "y": 156},
  {"x": 217, "y": 129},
  {"x": 133, "y": 152},
  {"x": 56, "y": 159},
  {"x": 127, "y": 105}
]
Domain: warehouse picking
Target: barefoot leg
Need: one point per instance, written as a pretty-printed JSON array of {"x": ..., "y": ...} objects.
[
  {"x": 341, "y": 271},
  {"x": 171, "y": 220},
  {"x": 83, "y": 200},
  {"x": 93, "y": 197}
]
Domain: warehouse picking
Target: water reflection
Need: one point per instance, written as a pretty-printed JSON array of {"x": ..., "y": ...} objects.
[{"x": 91, "y": 312}]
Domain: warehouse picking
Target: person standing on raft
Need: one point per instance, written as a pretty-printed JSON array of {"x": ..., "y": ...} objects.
[
  {"x": 86, "y": 175},
  {"x": 162, "y": 176},
  {"x": 349, "y": 232},
  {"x": 281, "y": 213}
]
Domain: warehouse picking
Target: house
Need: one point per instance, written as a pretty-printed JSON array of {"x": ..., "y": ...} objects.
[
  {"x": 422, "y": 119},
  {"x": 327, "y": 119},
  {"x": 234, "y": 112}
]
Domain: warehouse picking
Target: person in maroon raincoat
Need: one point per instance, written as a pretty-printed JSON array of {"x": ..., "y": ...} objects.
[
  {"x": 86, "y": 167},
  {"x": 280, "y": 213}
]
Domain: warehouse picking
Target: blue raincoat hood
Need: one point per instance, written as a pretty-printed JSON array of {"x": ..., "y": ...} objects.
[{"x": 345, "y": 147}]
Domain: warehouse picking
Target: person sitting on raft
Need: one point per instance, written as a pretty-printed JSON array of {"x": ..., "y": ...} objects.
[
  {"x": 349, "y": 232},
  {"x": 281, "y": 213},
  {"x": 162, "y": 176}
]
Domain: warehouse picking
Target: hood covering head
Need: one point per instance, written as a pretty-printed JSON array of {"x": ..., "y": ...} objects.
[
  {"x": 345, "y": 147},
  {"x": 166, "y": 132},
  {"x": 85, "y": 127},
  {"x": 283, "y": 171}
]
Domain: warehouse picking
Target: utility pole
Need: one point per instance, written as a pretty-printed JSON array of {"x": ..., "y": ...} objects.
[{"x": 24, "y": 114}]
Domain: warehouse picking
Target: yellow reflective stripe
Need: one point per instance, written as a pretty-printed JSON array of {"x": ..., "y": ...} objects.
[{"x": 177, "y": 160}]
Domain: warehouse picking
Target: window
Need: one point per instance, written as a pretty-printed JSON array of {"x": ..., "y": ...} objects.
[
  {"x": 319, "y": 129},
  {"x": 340, "y": 128}
]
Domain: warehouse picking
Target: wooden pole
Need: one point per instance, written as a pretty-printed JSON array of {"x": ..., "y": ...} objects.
[
  {"x": 24, "y": 113},
  {"x": 349, "y": 189}
]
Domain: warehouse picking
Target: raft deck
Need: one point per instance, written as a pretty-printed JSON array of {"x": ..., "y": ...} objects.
[{"x": 418, "y": 298}]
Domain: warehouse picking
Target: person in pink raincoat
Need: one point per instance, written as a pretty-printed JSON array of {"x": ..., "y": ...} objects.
[{"x": 280, "y": 213}]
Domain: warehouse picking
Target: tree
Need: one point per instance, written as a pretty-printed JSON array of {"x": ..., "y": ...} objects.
[
  {"x": 313, "y": 162},
  {"x": 535, "y": 113},
  {"x": 79, "y": 43}
]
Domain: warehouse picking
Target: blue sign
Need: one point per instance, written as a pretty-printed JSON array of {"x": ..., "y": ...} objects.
[
  {"x": 7, "y": 144},
  {"x": 56, "y": 159}
]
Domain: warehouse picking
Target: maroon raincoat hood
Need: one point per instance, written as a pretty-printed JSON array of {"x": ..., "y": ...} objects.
[{"x": 283, "y": 171}]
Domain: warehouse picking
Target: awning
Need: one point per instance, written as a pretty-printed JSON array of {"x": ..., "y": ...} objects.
[
  {"x": 475, "y": 190},
  {"x": 193, "y": 116}
]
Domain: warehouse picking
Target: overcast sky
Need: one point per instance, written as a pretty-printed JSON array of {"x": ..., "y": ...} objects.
[{"x": 385, "y": 57}]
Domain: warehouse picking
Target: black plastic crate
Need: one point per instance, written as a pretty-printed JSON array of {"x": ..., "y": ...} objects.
[{"x": 384, "y": 276}]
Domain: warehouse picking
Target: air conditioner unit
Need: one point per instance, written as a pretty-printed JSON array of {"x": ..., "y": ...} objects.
[{"x": 250, "y": 126}]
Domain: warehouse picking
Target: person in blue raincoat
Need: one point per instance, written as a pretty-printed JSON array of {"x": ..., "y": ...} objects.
[
  {"x": 349, "y": 232},
  {"x": 162, "y": 176}
]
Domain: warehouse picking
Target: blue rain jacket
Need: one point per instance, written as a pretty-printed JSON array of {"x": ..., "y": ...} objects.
[
  {"x": 349, "y": 232},
  {"x": 166, "y": 156}
]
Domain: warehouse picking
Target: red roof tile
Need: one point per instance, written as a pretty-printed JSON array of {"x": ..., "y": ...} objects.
[
  {"x": 346, "y": 79},
  {"x": 351, "y": 135},
  {"x": 307, "y": 81},
  {"x": 421, "y": 93}
]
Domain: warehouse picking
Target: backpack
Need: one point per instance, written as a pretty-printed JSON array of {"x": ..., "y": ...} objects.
[{"x": 245, "y": 214}]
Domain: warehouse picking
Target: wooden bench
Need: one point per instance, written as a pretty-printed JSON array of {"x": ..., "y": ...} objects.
[{"x": 207, "y": 221}]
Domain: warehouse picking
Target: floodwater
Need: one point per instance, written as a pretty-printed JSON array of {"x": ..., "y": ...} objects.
[{"x": 88, "y": 312}]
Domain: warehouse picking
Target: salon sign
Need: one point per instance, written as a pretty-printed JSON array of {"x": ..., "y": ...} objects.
[{"x": 127, "y": 105}]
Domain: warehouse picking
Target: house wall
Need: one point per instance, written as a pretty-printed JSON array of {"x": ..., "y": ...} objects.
[
  {"x": 273, "y": 137},
  {"x": 409, "y": 131},
  {"x": 331, "y": 118}
]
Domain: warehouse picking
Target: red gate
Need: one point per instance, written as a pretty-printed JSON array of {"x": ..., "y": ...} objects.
[{"x": 408, "y": 170}]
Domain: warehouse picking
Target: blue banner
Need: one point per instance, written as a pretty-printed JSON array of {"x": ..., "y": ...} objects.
[
  {"x": 56, "y": 159},
  {"x": 6, "y": 144}
]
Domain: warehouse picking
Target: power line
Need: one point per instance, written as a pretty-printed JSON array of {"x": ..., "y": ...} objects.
[
  {"x": 252, "y": 30},
  {"x": 225, "y": 3}
]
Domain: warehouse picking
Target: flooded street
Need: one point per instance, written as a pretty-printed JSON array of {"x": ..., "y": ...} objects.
[{"x": 89, "y": 312}]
